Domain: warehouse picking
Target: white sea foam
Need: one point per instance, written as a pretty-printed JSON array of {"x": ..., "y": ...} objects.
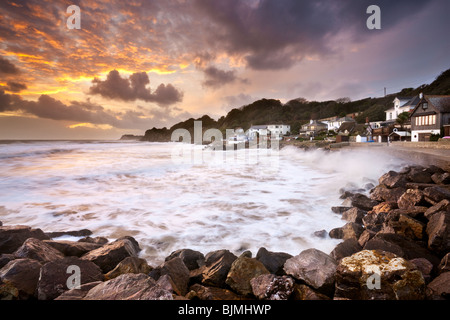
[{"x": 131, "y": 188}]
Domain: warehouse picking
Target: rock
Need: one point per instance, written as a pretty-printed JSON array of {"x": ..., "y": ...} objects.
[
  {"x": 178, "y": 275},
  {"x": 345, "y": 249},
  {"x": 374, "y": 221},
  {"x": 5, "y": 258},
  {"x": 443, "y": 205},
  {"x": 351, "y": 231},
  {"x": 371, "y": 274},
  {"x": 400, "y": 246},
  {"x": 336, "y": 233},
  {"x": 217, "y": 265},
  {"x": 435, "y": 195},
  {"x": 211, "y": 293},
  {"x": 242, "y": 271},
  {"x": 303, "y": 292},
  {"x": 419, "y": 175},
  {"x": 320, "y": 234},
  {"x": 19, "y": 278},
  {"x": 384, "y": 207},
  {"x": 77, "y": 233},
  {"x": 392, "y": 180},
  {"x": 192, "y": 259},
  {"x": 438, "y": 230},
  {"x": 340, "y": 210},
  {"x": 129, "y": 265},
  {"x": 129, "y": 286},
  {"x": 78, "y": 294},
  {"x": 72, "y": 248},
  {"x": 441, "y": 178},
  {"x": 271, "y": 287},
  {"x": 273, "y": 261},
  {"x": 363, "y": 202},
  {"x": 366, "y": 236},
  {"x": 411, "y": 198},
  {"x": 38, "y": 250},
  {"x": 109, "y": 255},
  {"x": 382, "y": 193},
  {"x": 424, "y": 266},
  {"x": 416, "y": 226},
  {"x": 313, "y": 267},
  {"x": 54, "y": 276},
  {"x": 354, "y": 215},
  {"x": 12, "y": 237},
  {"x": 439, "y": 288},
  {"x": 97, "y": 240},
  {"x": 397, "y": 227},
  {"x": 444, "y": 265}
]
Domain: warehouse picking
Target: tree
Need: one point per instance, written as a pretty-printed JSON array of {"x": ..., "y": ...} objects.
[{"x": 402, "y": 119}]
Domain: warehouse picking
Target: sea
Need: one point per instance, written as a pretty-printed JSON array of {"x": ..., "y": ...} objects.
[{"x": 172, "y": 196}]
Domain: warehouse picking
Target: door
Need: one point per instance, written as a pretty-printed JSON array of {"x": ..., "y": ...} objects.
[{"x": 424, "y": 136}]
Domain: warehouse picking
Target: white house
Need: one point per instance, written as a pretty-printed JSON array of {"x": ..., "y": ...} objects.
[
  {"x": 401, "y": 105},
  {"x": 264, "y": 130},
  {"x": 334, "y": 123}
]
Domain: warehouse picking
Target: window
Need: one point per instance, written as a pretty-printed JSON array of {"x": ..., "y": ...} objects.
[
  {"x": 425, "y": 105},
  {"x": 426, "y": 120}
]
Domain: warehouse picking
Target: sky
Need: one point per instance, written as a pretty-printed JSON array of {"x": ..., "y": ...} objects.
[{"x": 134, "y": 65}]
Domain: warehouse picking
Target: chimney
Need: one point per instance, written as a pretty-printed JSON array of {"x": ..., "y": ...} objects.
[
  {"x": 367, "y": 120},
  {"x": 421, "y": 95}
]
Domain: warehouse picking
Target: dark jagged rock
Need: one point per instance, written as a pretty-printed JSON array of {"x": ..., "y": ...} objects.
[
  {"x": 178, "y": 275},
  {"x": 354, "y": 215},
  {"x": 192, "y": 259},
  {"x": 345, "y": 249},
  {"x": 54, "y": 276},
  {"x": 198, "y": 291},
  {"x": 411, "y": 198},
  {"x": 314, "y": 267},
  {"x": 19, "y": 278},
  {"x": 444, "y": 265},
  {"x": 78, "y": 293},
  {"x": 109, "y": 255},
  {"x": 217, "y": 266},
  {"x": 438, "y": 230},
  {"x": 363, "y": 202},
  {"x": 340, "y": 210},
  {"x": 443, "y": 205},
  {"x": 304, "y": 292},
  {"x": 436, "y": 194},
  {"x": 76, "y": 233},
  {"x": 38, "y": 250},
  {"x": 273, "y": 261},
  {"x": 12, "y": 237},
  {"x": 129, "y": 265},
  {"x": 72, "y": 248},
  {"x": 392, "y": 180},
  {"x": 439, "y": 288},
  {"x": 271, "y": 287},
  {"x": 97, "y": 240}
]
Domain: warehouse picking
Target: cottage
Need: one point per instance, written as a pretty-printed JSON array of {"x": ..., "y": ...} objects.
[
  {"x": 265, "y": 130},
  {"x": 405, "y": 104},
  {"x": 429, "y": 117},
  {"x": 313, "y": 128}
]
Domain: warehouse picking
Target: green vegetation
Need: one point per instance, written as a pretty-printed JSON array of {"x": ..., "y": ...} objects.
[{"x": 299, "y": 111}]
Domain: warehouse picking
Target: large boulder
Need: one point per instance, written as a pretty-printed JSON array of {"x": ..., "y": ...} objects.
[
  {"x": 400, "y": 246},
  {"x": 439, "y": 288},
  {"x": 438, "y": 230},
  {"x": 217, "y": 265},
  {"x": 314, "y": 267},
  {"x": 273, "y": 261},
  {"x": 392, "y": 180},
  {"x": 443, "y": 205},
  {"x": 272, "y": 287},
  {"x": 12, "y": 237},
  {"x": 129, "y": 286},
  {"x": 441, "y": 178},
  {"x": 72, "y": 248},
  {"x": 345, "y": 249},
  {"x": 419, "y": 175},
  {"x": 434, "y": 195},
  {"x": 19, "y": 278},
  {"x": 129, "y": 265},
  {"x": 54, "y": 276},
  {"x": 363, "y": 202},
  {"x": 192, "y": 259},
  {"x": 242, "y": 271},
  {"x": 371, "y": 274},
  {"x": 38, "y": 250},
  {"x": 109, "y": 255},
  {"x": 178, "y": 275},
  {"x": 354, "y": 215},
  {"x": 411, "y": 198},
  {"x": 382, "y": 193}
]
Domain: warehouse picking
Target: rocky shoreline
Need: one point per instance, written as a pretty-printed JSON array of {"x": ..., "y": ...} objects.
[{"x": 396, "y": 246}]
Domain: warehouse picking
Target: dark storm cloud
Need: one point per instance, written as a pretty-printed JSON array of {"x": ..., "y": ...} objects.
[
  {"x": 135, "y": 88},
  {"x": 215, "y": 77},
  {"x": 15, "y": 86},
  {"x": 7, "y": 67},
  {"x": 277, "y": 34}
]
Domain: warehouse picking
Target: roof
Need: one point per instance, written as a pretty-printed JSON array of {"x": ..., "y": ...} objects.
[
  {"x": 412, "y": 102},
  {"x": 258, "y": 127},
  {"x": 441, "y": 103},
  {"x": 402, "y": 133}
]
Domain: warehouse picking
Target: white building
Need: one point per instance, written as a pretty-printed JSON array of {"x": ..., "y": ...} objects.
[
  {"x": 334, "y": 123},
  {"x": 272, "y": 129},
  {"x": 401, "y": 105}
]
